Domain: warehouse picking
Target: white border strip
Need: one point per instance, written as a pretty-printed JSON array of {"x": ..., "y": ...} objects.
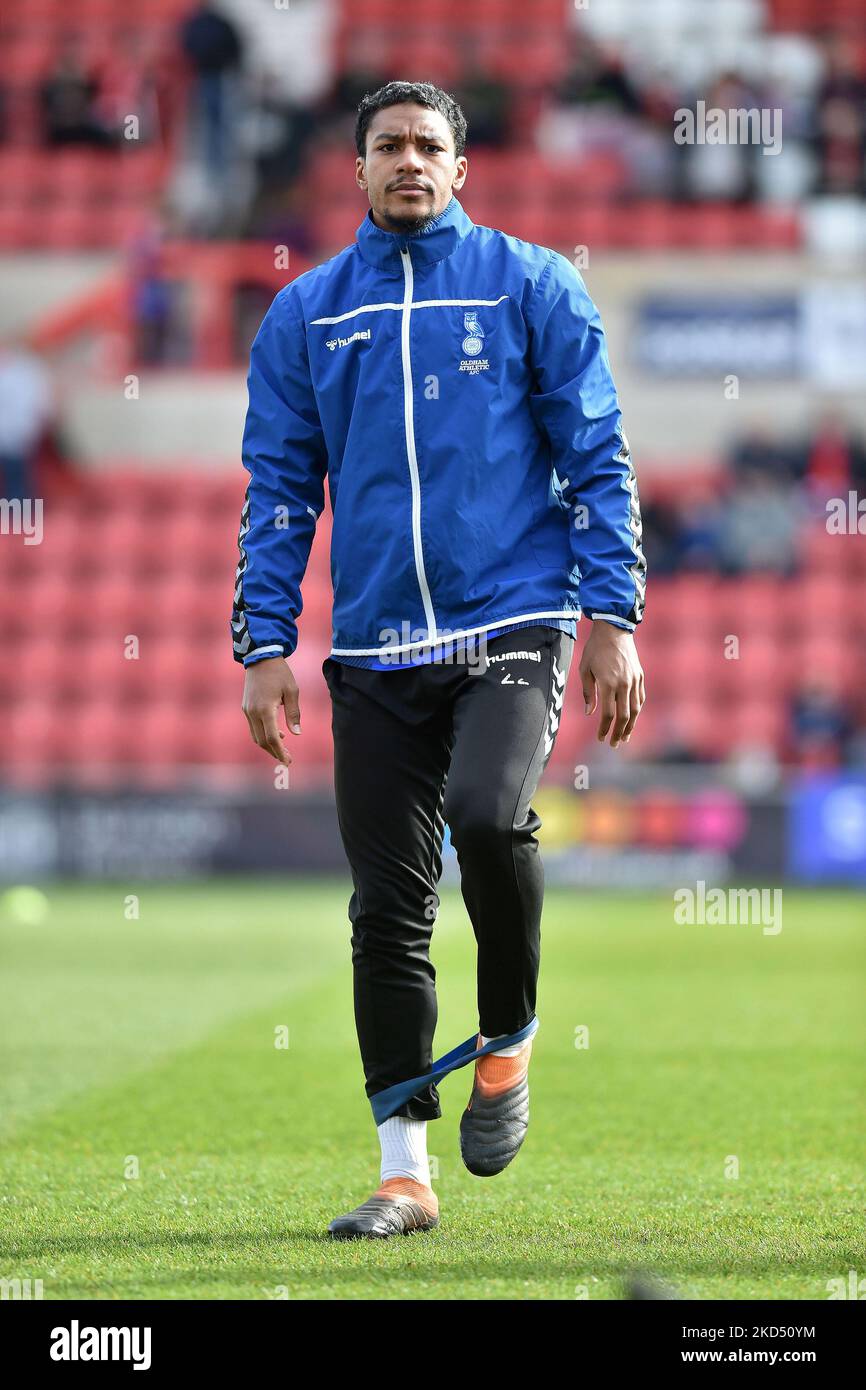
[
  {"x": 411, "y": 454},
  {"x": 452, "y": 636},
  {"x": 419, "y": 304},
  {"x": 364, "y": 309},
  {"x": 260, "y": 651}
]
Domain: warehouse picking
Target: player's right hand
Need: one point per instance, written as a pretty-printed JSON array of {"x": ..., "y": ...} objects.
[{"x": 267, "y": 685}]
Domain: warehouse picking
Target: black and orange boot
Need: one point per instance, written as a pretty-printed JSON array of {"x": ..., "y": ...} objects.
[
  {"x": 495, "y": 1121},
  {"x": 397, "y": 1208}
]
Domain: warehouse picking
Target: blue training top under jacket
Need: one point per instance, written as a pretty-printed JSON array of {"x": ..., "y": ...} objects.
[{"x": 454, "y": 386}]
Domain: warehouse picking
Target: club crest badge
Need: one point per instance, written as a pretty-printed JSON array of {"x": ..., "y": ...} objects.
[{"x": 473, "y": 343}]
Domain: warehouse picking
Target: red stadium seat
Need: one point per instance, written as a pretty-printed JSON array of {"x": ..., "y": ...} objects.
[
  {"x": 650, "y": 225},
  {"x": 709, "y": 227},
  {"x": 826, "y": 554},
  {"x": 36, "y": 669},
  {"x": 751, "y": 604},
  {"x": 71, "y": 226},
  {"x": 222, "y": 736},
  {"x": 49, "y": 603},
  {"x": 31, "y": 734},
  {"x": 757, "y": 724},
  {"x": 15, "y": 228},
  {"x": 594, "y": 226},
  {"x": 161, "y": 734},
  {"x": 27, "y": 58},
  {"x": 822, "y": 602},
  {"x": 129, "y": 544},
  {"x": 690, "y": 724}
]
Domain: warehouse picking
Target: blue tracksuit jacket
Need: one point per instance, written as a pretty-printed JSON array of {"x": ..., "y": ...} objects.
[{"x": 454, "y": 387}]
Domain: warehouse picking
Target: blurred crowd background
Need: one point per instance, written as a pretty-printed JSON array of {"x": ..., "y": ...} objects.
[{"x": 165, "y": 168}]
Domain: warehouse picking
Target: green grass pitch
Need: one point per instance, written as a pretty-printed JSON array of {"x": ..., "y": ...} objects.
[{"x": 148, "y": 1046}]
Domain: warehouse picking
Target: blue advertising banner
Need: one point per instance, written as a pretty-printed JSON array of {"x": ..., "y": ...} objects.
[
  {"x": 816, "y": 334},
  {"x": 714, "y": 335},
  {"x": 827, "y": 830}
]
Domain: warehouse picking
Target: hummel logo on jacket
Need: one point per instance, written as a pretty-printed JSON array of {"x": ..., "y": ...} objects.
[{"x": 454, "y": 387}]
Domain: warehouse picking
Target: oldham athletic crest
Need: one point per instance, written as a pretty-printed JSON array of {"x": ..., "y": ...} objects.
[{"x": 473, "y": 343}]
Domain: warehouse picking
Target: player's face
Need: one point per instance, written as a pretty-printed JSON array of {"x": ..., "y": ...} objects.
[{"x": 410, "y": 170}]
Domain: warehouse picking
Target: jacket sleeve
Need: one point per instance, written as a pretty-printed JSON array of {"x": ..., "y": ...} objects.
[
  {"x": 575, "y": 405},
  {"x": 285, "y": 454}
]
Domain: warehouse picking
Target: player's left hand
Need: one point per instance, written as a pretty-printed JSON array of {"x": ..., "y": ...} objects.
[{"x": 612, "y": 680}]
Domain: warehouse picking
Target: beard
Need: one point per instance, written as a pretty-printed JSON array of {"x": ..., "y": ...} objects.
[{"x": 410, "y": 223}]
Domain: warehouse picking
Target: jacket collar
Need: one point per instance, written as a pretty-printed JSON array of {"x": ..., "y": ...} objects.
[{"x": 443, "y": 235}]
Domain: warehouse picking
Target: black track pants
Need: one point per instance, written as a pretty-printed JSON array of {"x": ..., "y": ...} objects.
[{"x": 463, "y": 743}]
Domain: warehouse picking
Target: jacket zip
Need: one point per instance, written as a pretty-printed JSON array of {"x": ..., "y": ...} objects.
[{"x": 409, "y": 423}]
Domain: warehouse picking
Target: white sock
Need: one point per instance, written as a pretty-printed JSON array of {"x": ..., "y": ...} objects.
[
  {"x": 505, "y": 1051},
  {"x": 404, "y": 1149}
]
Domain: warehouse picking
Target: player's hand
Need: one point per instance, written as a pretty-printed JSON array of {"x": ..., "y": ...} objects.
[
  {"x": 267, "y": 685},
  {"x": 612, "y": 680}
]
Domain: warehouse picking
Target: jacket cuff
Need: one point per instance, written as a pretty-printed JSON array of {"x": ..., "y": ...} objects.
[
  {"x": 615, "y": 620},
  {"x": 263, "y": 653}
]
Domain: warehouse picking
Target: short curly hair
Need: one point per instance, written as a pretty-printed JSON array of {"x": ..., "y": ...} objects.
[{"x": 422, "y": 94}]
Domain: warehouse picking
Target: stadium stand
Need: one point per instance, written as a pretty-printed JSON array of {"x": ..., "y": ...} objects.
[
  {"x": 140, "y": 567},
  {"x": 140, "y": 564},
  {"x": 552, "y": 66}
]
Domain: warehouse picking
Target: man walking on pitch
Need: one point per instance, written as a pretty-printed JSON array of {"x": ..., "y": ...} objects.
[{"x": 452, "y": 383}]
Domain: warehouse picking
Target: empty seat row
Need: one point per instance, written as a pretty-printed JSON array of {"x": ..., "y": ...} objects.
[{"x": 106, "y": 668}]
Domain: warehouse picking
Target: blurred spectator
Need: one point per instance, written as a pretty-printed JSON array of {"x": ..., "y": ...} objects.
[
  {"x": 362, "y": 72},
  {"x": 754, "y": 520},
  {"x": 597, "y": 77},
  {"x": 759, "y": 526},
  {"x": 25, "y": 410},
  {"x": 486, "y": 104},
  {"x": 840, "y": 121},
  {"x": 700, "y": 521},
  {"x": 836, "y": 459},
  {"x": 212, "y": 46},
  {"x": 662, "y": 538},
  {"x": 273, "y": 133},
  {"x": 69, "y": 100},
  {"x": 722, "y": 172},
  {"x": 821, "y": 726},
  {"x": 152, "y": 301},
  {"x": 760, "y": 451},
  {"x": 596, "y": 113},
  {"x": 132, "y": 86},
  {"x": 280, "y": 216}
]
